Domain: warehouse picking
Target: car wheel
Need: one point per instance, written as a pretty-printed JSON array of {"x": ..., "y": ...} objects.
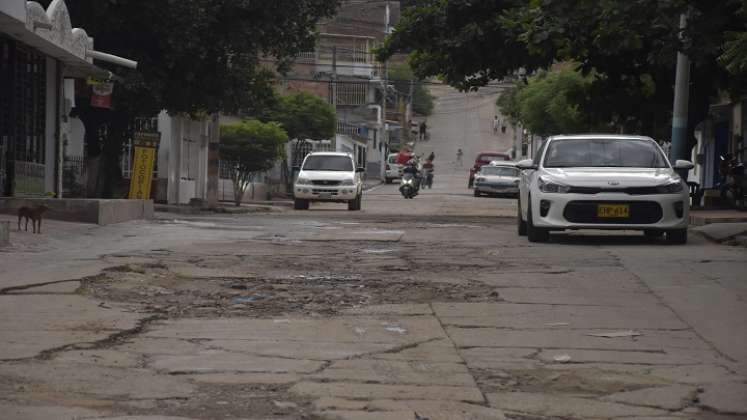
[
  {"x": 299, "y": 204},
  {"x": 389, "y": 180},
  {"x": 522, "y": 224},
  {"x": 535, "y": 234},
  {"x": 653, "y": 233},
  {"x": 477, "y": 192},
  {"x": 355, "y": 204},
  {"x": 678, "y": 236}
]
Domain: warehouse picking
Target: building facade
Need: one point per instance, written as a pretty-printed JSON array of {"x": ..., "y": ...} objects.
[{"x": 39, "y": 49}]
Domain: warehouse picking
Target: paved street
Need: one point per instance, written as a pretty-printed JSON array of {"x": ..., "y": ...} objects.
[{"x": 432, "y": 305}]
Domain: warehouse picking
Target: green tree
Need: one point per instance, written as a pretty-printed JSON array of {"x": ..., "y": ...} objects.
[
  {"x": 305, "y": 116},
  {"x": 401, "y": 76},
  {"x": 734, "y": 57},
  {"x": 195, "y": 56},
  {"x": 628, "y": 48},
  {"x": 550, "y": 102},
  {"x": 250, "y": 147}
]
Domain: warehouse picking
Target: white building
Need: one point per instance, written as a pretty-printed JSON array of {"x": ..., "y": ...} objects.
[{"x": 39, "y": 49}]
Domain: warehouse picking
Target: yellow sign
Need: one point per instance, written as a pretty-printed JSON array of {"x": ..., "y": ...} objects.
[{"x": 142, "y": 164}]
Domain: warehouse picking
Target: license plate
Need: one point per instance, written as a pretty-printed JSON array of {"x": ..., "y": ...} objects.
[
  {"x": 613, "y": 211},
  {"x": 325, "y": 196}
]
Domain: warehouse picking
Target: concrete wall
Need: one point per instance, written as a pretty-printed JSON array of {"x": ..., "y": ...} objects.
[{"x": 101, "y": 212}]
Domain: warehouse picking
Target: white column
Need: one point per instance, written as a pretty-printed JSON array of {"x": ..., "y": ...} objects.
[{"x": 175, "y": 158}]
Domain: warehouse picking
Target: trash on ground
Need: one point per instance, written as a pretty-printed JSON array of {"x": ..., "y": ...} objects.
[
  {"x": 562, "y": 358},
  {"x": 249, "y": 299},
  {"x": 395, "y": 328},
  {"x": 615, "y": 334}
]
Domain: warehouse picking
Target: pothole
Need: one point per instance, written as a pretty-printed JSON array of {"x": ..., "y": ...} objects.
[{"x": 158, "y": 290}]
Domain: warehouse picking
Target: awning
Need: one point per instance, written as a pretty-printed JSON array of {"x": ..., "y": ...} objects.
[{"x": 74, "y": 66}]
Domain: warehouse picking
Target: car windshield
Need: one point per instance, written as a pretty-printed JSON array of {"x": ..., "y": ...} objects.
[
  {"x": 392, "y": 159},
  {"x": 328, "y": 163},
  {"x": 499, "y": 171},
  {"x": 490, "y": 158},
  {"x": 604, "y": 153}
]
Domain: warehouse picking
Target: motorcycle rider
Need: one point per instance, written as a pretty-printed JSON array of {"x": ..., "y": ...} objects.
[
  {"x": 428, "y": 173},
  {"x": 412, "y": 168}
]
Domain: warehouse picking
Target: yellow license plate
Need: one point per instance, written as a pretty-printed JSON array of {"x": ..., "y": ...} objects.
[{"x": 613, "y": 211}]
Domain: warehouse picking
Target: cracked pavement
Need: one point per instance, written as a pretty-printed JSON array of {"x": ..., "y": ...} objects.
[{"x": 432, "y": 305}]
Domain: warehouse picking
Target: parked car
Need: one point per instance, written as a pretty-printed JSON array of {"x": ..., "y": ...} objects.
[
  {"x": 484, "y": 158},
  {"x": 602, "y": 182},
  {"x": 328, "y": 176},
  {"x": 393, "y": 169},
  {"x": 500, "y": 178}
]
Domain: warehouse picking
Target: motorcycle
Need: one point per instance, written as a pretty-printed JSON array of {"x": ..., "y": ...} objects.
[
  {"x": 408, "y": 187},
  {"x": 735, "y": 189}
]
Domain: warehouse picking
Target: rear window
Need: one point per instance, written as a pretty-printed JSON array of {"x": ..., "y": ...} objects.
[
  {"x": 490, "y": 158},
  {"x": 328, "y": 163},
  {"x": 499, "y": 171},
  {"x": 392, "y": 159}
]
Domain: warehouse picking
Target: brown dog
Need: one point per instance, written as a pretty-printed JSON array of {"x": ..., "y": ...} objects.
[{"x": 33, "y": 213}]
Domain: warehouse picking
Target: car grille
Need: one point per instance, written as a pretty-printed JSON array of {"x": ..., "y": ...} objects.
[
  {"x": 625, "y": 190},
  {"x": 641, "y": 212},
  {"x": 324, "y": 191},
  {"x": 328, "y": 183}
]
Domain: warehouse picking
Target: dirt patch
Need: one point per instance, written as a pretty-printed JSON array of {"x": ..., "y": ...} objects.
[
  {"x": 589, "y": 382},
  {"x": 157, "y": 290}
]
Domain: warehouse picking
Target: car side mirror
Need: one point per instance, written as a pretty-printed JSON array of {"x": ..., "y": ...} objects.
[
  {"x": 683, "y": 164},
  {"x": 526, "y": 164}
]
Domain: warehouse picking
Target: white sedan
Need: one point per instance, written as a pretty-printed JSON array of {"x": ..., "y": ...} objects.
[{"x": 602, "y": 182}]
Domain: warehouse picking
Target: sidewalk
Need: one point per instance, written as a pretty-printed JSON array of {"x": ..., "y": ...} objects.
[{"x": 705, "y": 217}]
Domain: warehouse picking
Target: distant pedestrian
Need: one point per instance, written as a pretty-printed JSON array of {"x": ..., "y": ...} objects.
[
  {"x": 459, "y": 155},
  {"x": 423, "y": 128},
  {"x": 496, "y": 124},
  {"x": 431, "y": 156}
]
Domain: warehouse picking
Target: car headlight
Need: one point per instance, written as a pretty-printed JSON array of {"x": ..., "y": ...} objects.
[
  {"x": 303, "y": 181},
  {"x": 673, "y": 187},
  {"x": 547, "y": 186},
  {"x": 349, "y": 181}
]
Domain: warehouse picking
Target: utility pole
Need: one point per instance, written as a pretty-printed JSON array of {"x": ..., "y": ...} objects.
[
  {"x": 333, "y": 81},
  {"x": 681, "y": 100},
  {"x": 410, "y": 109},
  {"x": 213, "y": 165}
]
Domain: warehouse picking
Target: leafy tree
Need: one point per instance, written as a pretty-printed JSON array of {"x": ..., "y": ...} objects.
[
  {"x": 249, "y": 147},
  {"x": 401, "y": 75},
  {"x": 550, "y": 102},
  {"x": 195, "y": 56},
  {"x": 734, "y": 57},
  {"x": 628, "y": 48},
  {"x": 305, "y": 116}
]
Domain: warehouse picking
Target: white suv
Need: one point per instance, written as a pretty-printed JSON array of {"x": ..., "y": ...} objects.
[{"x": 328, "y": 176}]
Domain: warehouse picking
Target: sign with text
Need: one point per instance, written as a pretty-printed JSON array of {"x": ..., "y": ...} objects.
[{"x": 143, "y": 160}]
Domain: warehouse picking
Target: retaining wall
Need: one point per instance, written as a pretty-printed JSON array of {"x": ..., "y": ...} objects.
[{"x": 101, "y": 212}]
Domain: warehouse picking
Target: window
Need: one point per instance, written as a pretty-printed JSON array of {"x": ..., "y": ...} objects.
[
  {"x": 499, "y": 171},
  {"x": 605, "y": 153},
  {"x": 328, "y": 163}
]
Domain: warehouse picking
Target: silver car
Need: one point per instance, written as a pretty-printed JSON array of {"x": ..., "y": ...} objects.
[{"x": 497, "y": 178}]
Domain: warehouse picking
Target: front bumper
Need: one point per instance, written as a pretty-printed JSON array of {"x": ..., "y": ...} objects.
[
  {"x": 326, "y": 193},
  {"x": 579, "y": 211},
  {"x": 497, "y": 188}
]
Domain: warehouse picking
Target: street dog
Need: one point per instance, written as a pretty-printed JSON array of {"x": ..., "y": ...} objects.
[{"x": 33, "y": 213}]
